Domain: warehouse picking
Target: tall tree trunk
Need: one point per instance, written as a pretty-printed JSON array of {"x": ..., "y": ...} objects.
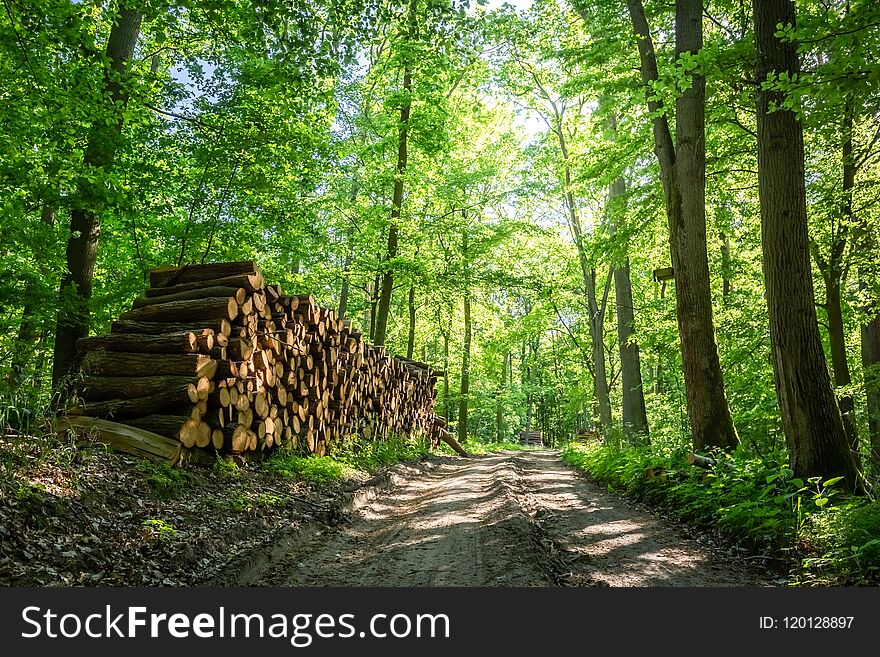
[
  {"x": 345, "y": 288},
  {"x": 682, "y": 171},
  {"x": 634, "y": 416},
  {"x": 814, "y": 430},
  {"x": 466, "y": 347},
  {"x": 833, "y": 271},
  {"x": 499, "y": 401},
  {"x": 411, "y": 336},
  {"x": 870, "y": 338},
  {"x": 85, "y": 218},
  {"x": 446, "y": 378},
  {"x": 397, "y": 198},
  {"x": 839, "y": 364},
  {"x": 865, "y": 248},
  {"x": 597, "y": 310},
  {"x": 374, "y": 300}
]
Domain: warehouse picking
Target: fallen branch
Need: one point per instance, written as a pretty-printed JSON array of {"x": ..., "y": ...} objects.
[{"x": 453, "y": 443}]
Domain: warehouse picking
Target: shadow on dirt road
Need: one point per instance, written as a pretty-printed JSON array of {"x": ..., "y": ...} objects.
[{"x": 502, "y": 519}]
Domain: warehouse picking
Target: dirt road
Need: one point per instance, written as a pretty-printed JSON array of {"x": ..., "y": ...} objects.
[{"x": 505, "y": 519}]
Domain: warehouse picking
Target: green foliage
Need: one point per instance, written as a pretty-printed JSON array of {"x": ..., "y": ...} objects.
[
  {"x": 357, "y": 456},
  {"x": 317, "y": 469},
  {"x": 165, "y": 481},
  {"x": 753, "y": 501},
  {"x": 160, "y": 529},
  {"x": 479, "y": 447},
  {"x": 225, "y": 467},
  {"x": 846, "y": 540}
]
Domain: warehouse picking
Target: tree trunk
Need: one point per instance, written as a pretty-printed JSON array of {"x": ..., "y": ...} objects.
[
  {"x": 499, "y": 402},
  {"x": 870, "y": 334},
  {"x": 387, "y": 284},
  {"x": 411, "y": 336},
  {"x": 446, "y": 378},
  {"x": 682, "y": 170},
  {"x": 839, "y": 364},
  {"x": 349, "y": 256},
  {"x": 814, "y": 430},
  {"x": 597, "y": 310},
  {"x": 635, "y": 418},
  {"x": 865, "y": 248},
  {"x": 82, "y": 246},
  {"x": 466, "y": 347}
]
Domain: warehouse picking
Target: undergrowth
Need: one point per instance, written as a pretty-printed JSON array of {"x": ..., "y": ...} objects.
[
  {"x": 356, "y": 457},
  {"x": 475, "y": 447},
  {"x": 757, "y": 502}
]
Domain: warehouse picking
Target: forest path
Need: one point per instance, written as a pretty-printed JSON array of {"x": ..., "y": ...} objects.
[{"x": 502, "y": 519}]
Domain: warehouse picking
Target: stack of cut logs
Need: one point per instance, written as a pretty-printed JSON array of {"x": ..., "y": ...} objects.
[
  {"x": 531, "y": 438},
  {"x": 211, "y": 355}
]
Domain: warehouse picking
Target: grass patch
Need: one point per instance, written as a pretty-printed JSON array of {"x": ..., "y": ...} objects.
[
  {"x": 165, "y": 481},
  {"x": 359, "y": 456},
  {"x": 475, "y": 447},
  {"x": 756, "y": 502},
  {"x": 316, "y": 469}
]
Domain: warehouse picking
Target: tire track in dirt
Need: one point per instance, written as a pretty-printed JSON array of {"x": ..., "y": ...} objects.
[{"x": 503, "y": 519}]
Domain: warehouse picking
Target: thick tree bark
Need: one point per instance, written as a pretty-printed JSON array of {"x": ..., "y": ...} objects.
[
  {"x": 682, "y": 171},
  {"x": 82, "y": 246},
  {"x": 814, "y": 429}
]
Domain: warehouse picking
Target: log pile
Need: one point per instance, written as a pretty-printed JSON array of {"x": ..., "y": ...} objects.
[
  {"x": 531, "y": 438},
  {"x": 211, "y": 355}
]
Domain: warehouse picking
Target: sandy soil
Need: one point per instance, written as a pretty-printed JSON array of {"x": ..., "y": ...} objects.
[{"x": 505, "y": 519}]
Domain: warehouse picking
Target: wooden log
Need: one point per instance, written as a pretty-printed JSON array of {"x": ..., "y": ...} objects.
[
  {"x": 452, "y": 442},
  {"x": 102, "y": 388},
  {"x": 120, "y": 409},
  {"x": 250, "y": 282},
  {"x": 217, "y": 326},
  {"x": 190, "y": 432},
  {"x": 118, "y": 363},
  {"x": 185, "y": 342},
  {"x": 167, "y": 276},
  {"x": 123, "y": 437},
  {"x": 164, "y": 425},
  {"x": 186, "y": 311},
  {"x": 238, "y": 293}
]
